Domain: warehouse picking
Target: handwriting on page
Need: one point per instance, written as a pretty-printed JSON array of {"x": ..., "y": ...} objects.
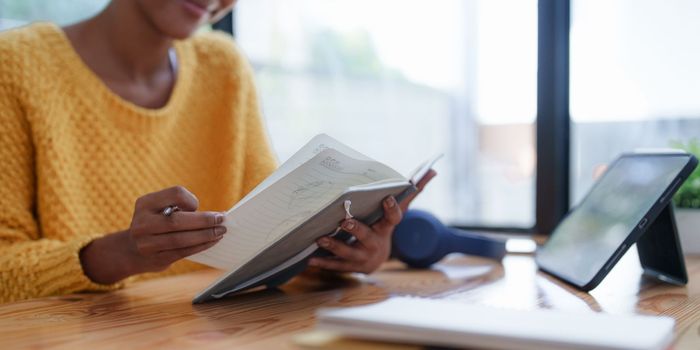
[
  {"x": 286, "y": 204},
  {"x": 318, "y": 144}
]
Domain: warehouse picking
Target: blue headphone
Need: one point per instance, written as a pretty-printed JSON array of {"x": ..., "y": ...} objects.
[{"x": 421, "y": 240}]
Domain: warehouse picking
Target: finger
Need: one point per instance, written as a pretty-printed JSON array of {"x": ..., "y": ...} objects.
[
  {"x": 362, "y": 232},
  {"x": 177, "y": 254},
  {"x": 392, "y": 216},
  {"x": 176, "y": 195},
  {"x": 419, "y": 188},
  {"x": 342, "y": 250},
  {"x": 185, "y": 221},
  {"x": 180, "y": 240},
  {"x": 334, "y": 264},
  {"x": 426, "y": 178}
]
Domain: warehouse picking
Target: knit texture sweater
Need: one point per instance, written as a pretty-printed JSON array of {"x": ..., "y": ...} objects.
[{"x": 74, "y": 156}]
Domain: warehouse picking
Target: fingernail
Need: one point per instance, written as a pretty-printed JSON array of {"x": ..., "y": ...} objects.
[
  {"x": 349, "y": 224},
  {"x": 220, "y": 230},
  {"x": 219, "y": 218},
  {"x": 390, "y": 202},
  {"x": 313, "y": 262},
  {"x": 324, "y": 242}
]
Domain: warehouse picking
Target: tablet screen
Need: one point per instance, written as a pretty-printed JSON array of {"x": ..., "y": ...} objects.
[{"x": 584, "y": 241}]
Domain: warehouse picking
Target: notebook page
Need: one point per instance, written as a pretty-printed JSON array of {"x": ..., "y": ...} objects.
[
  {"x": 423, "y": 169},
  {"x": 317, "y": 144},
  {"x": 288, "y": 202}
]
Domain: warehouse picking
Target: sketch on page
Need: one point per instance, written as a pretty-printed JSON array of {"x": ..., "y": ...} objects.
[
  {"x": 307, "y": 191},
  {"x": 318, "y": 144}
]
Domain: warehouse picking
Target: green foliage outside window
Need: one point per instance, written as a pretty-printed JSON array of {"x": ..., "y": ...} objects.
[{"x": 688, "y": 196}]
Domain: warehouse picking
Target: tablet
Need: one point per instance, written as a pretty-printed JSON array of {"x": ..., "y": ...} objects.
[{"x": 619, "y": 208}]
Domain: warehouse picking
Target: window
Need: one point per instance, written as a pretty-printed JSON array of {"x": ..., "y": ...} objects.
[
  {"x": 403, "y": 81},
  {"x": 635, "y": 81}
]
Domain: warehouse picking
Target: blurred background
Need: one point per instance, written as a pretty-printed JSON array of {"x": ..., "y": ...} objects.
[{"x": 403, "y": 80}]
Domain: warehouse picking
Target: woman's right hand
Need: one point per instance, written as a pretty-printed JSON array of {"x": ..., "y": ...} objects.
[{"x": 153, "y": 241}]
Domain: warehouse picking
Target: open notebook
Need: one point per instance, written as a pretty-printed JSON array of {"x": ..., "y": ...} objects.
[{"x": 272, "y": 230}]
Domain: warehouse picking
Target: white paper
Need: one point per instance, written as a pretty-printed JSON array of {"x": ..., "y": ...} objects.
[{"x": 455, "y": 324}]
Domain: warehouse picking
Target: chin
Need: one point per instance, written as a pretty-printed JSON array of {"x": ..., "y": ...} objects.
[
  {"x": 177, "y": 26},
  {"x": 175, "y": 18},
  {"x": 181, "y": 32}
]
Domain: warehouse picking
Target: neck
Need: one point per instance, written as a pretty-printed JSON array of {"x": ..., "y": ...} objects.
[{"x": 139, "y": 50}]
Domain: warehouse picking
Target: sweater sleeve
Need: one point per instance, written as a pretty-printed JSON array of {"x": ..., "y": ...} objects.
[
  {"x": 221, "y": 51},
  {"x": 30, "y": 266}
]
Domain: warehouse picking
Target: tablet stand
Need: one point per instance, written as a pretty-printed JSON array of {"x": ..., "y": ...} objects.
[{"x": 660, "y": 251}]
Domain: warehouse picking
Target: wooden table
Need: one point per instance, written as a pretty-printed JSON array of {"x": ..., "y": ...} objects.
[{"x": 158, "y": 313}]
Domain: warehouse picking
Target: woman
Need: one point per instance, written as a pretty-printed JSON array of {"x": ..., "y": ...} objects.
[{"x": 105, "y": 123}]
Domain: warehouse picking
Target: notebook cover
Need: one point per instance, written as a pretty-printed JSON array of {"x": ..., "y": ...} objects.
[{"x": 366, "y": 207}]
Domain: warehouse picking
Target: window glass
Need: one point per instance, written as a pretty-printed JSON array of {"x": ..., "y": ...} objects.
[
  {"x": 400, "y": 81},
  {"x": 15, "y": 13},
  {"x": 635, "y": 81}
]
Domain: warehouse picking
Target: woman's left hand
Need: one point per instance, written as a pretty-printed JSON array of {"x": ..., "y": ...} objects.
[{"x": 373, "y": 244}]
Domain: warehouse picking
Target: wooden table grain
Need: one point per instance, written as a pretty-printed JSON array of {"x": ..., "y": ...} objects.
[{"x": 159, "y": 314}]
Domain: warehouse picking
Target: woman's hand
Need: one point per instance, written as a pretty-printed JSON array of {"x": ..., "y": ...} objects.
[
  {"x": 373, "y": 244},
  {"x": 153, "y": 241}
]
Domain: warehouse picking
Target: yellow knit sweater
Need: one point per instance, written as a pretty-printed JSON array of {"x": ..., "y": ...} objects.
[{"x": 74, "y": 156}]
